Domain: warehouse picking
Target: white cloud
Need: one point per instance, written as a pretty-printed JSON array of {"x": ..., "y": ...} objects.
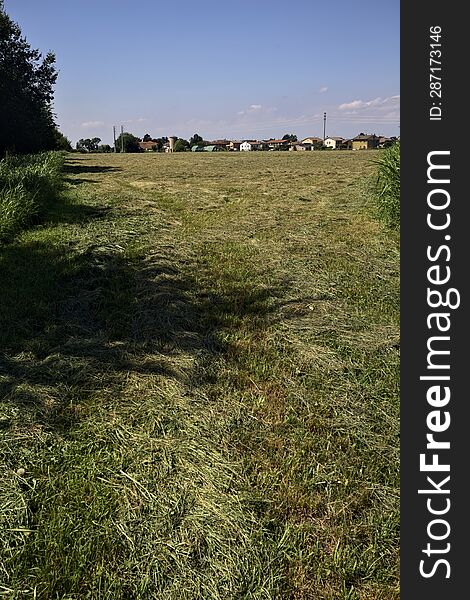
[
  {"x": 92, "y": 124},
  {"x": 253, "y": 108},
  {"x": 375, "y": 103},
  {"x": 323, "y": 89}
]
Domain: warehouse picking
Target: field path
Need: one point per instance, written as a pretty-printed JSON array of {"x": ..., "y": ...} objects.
[{"x": 200, "y": 381}]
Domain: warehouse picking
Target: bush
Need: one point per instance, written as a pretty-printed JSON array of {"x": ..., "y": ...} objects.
[
  {"x": 388, "y": 186},
  {"x": 28, "y": 184}
]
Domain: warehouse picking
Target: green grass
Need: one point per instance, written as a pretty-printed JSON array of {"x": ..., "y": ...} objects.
[
  {"x": 200, "y": 366},
  {"x": 28, "y": 186},
  {"x": 388, "y": 186}
]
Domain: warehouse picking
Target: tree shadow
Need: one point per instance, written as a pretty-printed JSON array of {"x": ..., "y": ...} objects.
[
  {"x": 85, "y": 168},
  {"x": 73, "y": 328},
  {"x": 79, "y": 181},
  {"x": 63, "y": 211}
]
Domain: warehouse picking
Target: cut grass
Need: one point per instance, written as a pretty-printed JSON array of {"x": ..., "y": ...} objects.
[{"x": 200, "y": 379}]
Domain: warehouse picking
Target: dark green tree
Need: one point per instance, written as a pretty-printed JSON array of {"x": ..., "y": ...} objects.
[
  {"x": 290, "y": 136},
  {"x": 105, "y": 148},
  {"x": 196, "y": 140},
  {"x": 61, "y": 142},
  {"x": 26, "y": 92},
  {"x": 88, "y": 145},
  {"x": 129, "y": 141},
  {"x": 181, "y": 145},
  {"x": 147, "y": 138}
]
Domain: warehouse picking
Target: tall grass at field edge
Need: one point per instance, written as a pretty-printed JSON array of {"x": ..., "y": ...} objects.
[
  {"x": 388, "y": 186},
  {"x": 28, "y": 184}
]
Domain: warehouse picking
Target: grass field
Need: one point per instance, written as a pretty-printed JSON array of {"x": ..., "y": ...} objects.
[{"x": 199, "y": 372}]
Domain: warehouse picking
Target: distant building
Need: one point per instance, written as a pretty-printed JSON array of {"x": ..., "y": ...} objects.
[
  {"x": 249, "y": 145},
  {"x": 234, "y": 145},
  {"x": 147, "y": 146},
  {"x": 220, "y": 143},
  {"x": 334, "y": 142},
  {"x": 213, "y": 148},
  {"x": 365, "y": 141},
  {"x": 312, "y": 141},
  {"x": 207, "y": 148},
  {"x": 299, "y": 146},
  {"x": 277, "y": 144},
  {"x": 385, "y": 142}
]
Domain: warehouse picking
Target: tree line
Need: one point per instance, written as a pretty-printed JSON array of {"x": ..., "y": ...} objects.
[{"x": 128, "y": 142}]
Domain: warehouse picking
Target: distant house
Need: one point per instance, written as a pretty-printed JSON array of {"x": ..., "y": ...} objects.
[
  {"x": 234, "y": 145},
  {"x": 220, "y": 143},
  {"x": 299, "y": 146},
  {"x": 365, "y": 141},
  {"x": 334, "y": 142},
  {"x": 277, "y": 144},
  {"x": 312, "y": 141},
  {"x": 385, "y": 142},
  {"x": 147, "y": 146},
  {"x": 249, "y": 145}
]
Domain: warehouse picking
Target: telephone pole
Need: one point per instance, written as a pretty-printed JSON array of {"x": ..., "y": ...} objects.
[
  {"x": 114, "y": 137},
  {"x": 122, "y": 138},
  {"x": 324, "y": 126}
]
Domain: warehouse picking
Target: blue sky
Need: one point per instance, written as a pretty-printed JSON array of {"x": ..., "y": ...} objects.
[{"x": 220, "y": 68}]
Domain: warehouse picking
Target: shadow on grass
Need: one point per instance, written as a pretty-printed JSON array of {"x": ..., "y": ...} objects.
[
  {"x": 74, "y": 326},
  {"x": 85, "y": 168},
  {"x": 64, "y": 211},
  {"x": 79, "y": 181}
]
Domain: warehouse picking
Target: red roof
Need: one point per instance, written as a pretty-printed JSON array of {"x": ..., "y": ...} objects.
[{"x": 147, "y": 145}]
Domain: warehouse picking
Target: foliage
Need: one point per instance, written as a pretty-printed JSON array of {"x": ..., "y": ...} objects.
[
  {"x": 28, "y": 184},
  {"x": 161, "y": 141},
  {"x": 105, "y": 148},
  {"x": 181, "y": 145},
  {"x": 26, "y": 92},
  {"x": 290, "y": 136},
  {"x": 388, "y": 186},
  {"x": 196, "y": 140},
  {"x": 61, "y": 142},
  {"x": 128, "y": 141},
  {"x": 88, "y": 145}
]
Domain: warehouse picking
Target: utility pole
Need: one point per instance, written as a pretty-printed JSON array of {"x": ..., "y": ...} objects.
[
  {"x": 122, "y": 138},
  {"x": 114, "y": 137},
  {"x": 324, "y": 126}
]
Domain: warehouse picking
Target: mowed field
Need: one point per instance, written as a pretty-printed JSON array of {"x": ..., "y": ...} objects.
[{"x": 199, "y": 383}]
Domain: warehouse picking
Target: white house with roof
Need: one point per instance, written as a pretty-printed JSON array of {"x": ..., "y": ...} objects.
[
  {"x": 333, "y": 142},
  {"x": 249, "y": 145}
]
